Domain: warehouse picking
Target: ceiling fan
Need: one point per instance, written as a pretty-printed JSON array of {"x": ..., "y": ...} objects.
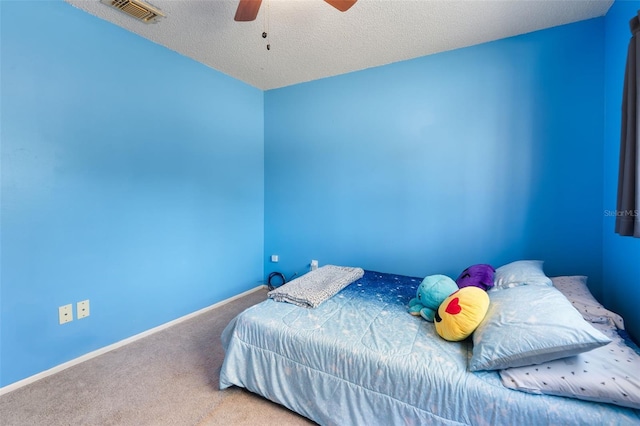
[{"x": 248, "y": 9}]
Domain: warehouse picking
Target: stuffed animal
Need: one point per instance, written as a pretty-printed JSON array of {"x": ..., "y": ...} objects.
[
  {"x": 461, "y": 313},
  {"x": 480, "y": 276},
  {"x": 430, "y": 294}
]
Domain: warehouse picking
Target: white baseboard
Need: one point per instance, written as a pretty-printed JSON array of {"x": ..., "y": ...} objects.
[{"x": 98, "y": 352}]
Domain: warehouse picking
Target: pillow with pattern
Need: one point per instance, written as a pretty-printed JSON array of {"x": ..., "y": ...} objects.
[
  {"x": 576, "y": 290},
  {"x": 606, "y": 374}
]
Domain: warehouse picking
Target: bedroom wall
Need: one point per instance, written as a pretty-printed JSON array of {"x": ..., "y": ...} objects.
[
  {"x": 621, "y": 255},
  {"x": 487, "y": 154},
  {"x": 131, "y": 177}
]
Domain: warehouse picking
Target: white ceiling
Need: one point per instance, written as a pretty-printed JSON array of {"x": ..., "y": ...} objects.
[{"x": 310, "y": 40}]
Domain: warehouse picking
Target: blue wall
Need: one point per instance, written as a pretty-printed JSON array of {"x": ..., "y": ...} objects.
[
  {"x": 131, "y": 176},
  {"x": 487, "y": 154},
  {"x": 155, "y": 205},
  {"x": 621, "y": 255}
]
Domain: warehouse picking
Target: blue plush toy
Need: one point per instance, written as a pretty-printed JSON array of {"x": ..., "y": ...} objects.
[{"x": 430, "y": 294}]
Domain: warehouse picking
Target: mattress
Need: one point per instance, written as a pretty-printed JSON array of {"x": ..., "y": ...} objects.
[{"x": 361, "y": 358}]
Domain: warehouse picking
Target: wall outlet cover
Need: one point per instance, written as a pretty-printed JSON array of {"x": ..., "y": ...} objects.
[
  {"x": 65, "y": 314},
  {"x": 83, "y": 309}
]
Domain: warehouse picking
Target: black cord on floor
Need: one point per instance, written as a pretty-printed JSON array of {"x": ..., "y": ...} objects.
[{"x": 272, "y": 275}]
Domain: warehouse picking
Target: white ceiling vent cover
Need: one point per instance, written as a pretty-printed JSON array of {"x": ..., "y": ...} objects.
[{"x": 138, "y": 9}]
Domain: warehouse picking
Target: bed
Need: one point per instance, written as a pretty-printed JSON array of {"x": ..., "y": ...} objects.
[{"x": 359, "y": 358}]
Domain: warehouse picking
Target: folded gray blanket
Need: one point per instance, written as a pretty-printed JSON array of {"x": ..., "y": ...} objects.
[{"x": 313, "y": 288}]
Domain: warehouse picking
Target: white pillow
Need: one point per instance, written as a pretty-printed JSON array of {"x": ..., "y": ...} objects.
[
  {"x": 576, "y": 290},
  {"x": 606, "y": 374},
  {"x": 520, "y": 272}
]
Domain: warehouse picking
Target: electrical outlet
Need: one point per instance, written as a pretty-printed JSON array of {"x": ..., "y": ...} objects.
[
  {"x": 83, "y": 309},
  {"x": 314, "y": 265},
  {"x": 274, "y": 258},
  {"x": 65, "y": 313}
]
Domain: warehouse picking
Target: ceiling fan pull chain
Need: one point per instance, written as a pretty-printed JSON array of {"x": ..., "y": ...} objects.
[{"x": 267, "y": 19}]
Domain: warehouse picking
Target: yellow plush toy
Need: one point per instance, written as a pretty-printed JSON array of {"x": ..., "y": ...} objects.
[{"x": 461, "y": 313}]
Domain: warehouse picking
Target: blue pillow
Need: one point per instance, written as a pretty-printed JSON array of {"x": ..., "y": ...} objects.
[
  {"x": 521, "y": 272},
  {"x": 530, "y": 324}
]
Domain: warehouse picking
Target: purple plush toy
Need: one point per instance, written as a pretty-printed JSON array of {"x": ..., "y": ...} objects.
[{"x": 480, "y": 275}]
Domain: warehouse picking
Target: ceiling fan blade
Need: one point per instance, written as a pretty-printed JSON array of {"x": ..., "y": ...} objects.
[
  {"x": 341, "y": 5},
  {"x": 247, "y": 10}
]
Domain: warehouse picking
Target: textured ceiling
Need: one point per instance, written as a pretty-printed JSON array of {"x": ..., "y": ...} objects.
[{"x": 309, "y": 39}]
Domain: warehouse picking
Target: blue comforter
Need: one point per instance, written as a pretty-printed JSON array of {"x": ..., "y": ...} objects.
[{"x": 361, "y": 358}]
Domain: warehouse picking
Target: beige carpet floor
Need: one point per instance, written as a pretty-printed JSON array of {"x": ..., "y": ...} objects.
[{"x": 168, "y": 378}]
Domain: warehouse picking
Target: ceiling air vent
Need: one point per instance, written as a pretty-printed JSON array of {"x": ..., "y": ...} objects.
[{"x": 138, "y": 9}]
